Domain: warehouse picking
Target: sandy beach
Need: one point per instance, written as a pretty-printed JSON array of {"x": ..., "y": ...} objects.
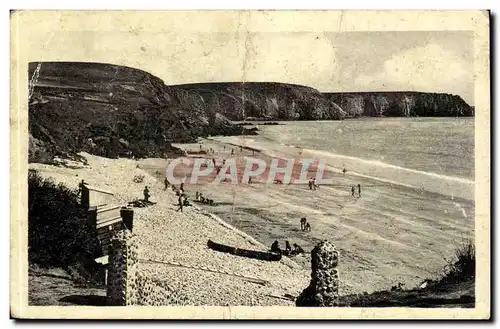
[
  {"x": 181, "y": 238},
  {"x": 390, "y": 234}
]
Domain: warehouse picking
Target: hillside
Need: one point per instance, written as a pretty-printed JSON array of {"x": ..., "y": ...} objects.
[
  {"x": 266, "y": 100},
  {"x": 112, "y": 110},
  {"x": 279, "y": 101},
  {"x": 399, "y": 104}
]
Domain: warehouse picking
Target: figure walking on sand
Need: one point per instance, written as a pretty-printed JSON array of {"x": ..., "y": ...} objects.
[
  {"x": 312, "y": 184},
  {"x": 303, "y": 222},
  {"x": 315, "y": 185},
  {"x": 181, "y": 202},
  {"x": 359, "y": 190},
  {"x": 353, "y": 189},
  {"x": 167, "y": 183},
  {"x": 307, "y": 228},
  {"x": 146, "y": 194}
]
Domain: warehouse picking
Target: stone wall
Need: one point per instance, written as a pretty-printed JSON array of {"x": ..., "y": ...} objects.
[
  {"x": 127, "y": 285},
  {"x": 323, "y": 290},
  {"x": 122, "y": 269}
]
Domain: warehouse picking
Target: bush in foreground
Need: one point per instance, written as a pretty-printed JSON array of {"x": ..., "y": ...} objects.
[
  {"x": 463, "y": 266},
  {"x": 457, "y": 278},
  {"x": 59, "y": 234}
]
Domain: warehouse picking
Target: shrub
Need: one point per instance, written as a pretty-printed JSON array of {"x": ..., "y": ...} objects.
[
  {"x": 463, "y": 266},
  {"x": 59, "y": 233}
]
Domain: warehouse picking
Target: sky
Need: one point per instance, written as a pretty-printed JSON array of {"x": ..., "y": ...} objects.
[{"x": 330, "y": 62}]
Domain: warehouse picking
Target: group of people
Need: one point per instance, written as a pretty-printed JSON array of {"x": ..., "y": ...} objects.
[
  {"x": 312, "y": 184},
  {"x": 353, "y": 190},
  {"x": 288, "y": 251},
  {"x": 304, "y": 225},
  {"x": 202, "y": 199}
]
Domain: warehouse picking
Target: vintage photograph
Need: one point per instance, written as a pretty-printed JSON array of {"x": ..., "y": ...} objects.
[{"x": 171, "y": 163}]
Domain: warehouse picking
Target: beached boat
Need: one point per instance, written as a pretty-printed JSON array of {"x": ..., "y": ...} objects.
[{"x": 262, "y": 255}]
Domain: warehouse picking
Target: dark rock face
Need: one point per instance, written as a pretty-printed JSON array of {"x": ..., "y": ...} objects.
[
  {"x": 401, "y": 104},
  {"x": 265, "y": 101},
  {"x": 112, "y": 111},
  {"x": 278, "y": 101},
  {"x": 323, "y": 288}
]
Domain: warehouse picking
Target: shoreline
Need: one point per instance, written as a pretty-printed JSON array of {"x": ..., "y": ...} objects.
[
  {"x": 401, "y": 222},
  {"x": 454, "y": 187}
]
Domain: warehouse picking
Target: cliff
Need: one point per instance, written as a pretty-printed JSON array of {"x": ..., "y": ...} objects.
[
  {"x": 111, "y": 110},
  {"x": 279, "y": 101},
  {"x": 400, "y": 104},
  {"x": 266, "y": 100}
]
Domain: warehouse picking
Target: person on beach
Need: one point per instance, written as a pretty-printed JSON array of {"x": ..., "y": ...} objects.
[
  {"x": 80, "y": 187},
  {"x": 288, "y": 248},
  {"x": 310, "y": 184},
  {"x": 241, "y": 148},
  {"x": 181, "y": 201},
  {"x": 249, "y": 180},
  {"x": 297, "y": 249},
  {"x": 213, "y": 160},
  {"x": 359, "y": 190},
  {"x": 197, "y": 196},
  {"x": 315, "y": 186},
  {"x": 275, "y": 247},
  {"x": 308, "y": 227},
  {"x": 182, "y": 187},
  {"x": 352, "y": 190},
  {"x": 344, "y": 171},
  {"x": 232, "y": 152},
  {"x": 167, "y": 183},
  {"x": 303, "y": 222},
  {"x": 146, "y": 194}
]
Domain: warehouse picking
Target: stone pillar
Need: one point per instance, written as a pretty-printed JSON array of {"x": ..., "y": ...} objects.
[
  {"x": 122, "y": 269},
  {"x": 323, "y": 290}
]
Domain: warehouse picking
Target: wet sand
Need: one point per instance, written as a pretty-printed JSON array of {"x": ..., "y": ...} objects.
[{"x": 390, "y": 234}]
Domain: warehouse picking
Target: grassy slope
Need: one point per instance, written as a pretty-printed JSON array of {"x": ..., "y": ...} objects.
[{"x": 53, "y": 287}]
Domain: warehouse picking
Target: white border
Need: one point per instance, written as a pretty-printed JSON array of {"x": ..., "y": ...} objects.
[{"x": 185, "y": 4}]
